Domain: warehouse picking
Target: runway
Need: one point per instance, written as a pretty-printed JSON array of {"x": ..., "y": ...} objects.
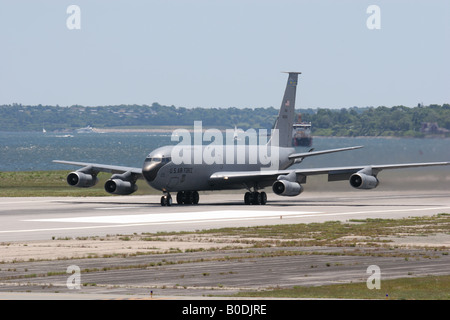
[
  {"x": 34, "y": 264},
  {"x": 24, "y": 219}
]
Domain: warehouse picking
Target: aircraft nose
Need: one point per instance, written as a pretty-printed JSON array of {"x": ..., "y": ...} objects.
[{"x": 150, "y": 169}]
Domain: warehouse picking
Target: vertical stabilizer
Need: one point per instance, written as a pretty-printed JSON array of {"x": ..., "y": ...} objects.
[{"x": 286, "y": 116}]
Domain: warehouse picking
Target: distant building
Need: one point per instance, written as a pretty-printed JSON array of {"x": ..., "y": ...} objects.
[{"x": 432, "y": 128}]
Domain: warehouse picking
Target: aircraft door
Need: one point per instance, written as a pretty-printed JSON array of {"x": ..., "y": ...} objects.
[{"x": 173, "y": 182}]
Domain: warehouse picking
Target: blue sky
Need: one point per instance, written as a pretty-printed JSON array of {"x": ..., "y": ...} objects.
[{"x": 224, "y": 53}]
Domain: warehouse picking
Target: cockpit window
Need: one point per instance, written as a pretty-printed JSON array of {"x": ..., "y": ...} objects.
[{"x": 159, "y": 159}]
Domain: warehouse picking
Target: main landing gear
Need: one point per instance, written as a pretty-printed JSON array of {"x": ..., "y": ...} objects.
[
  {"x": 192, "y": 197},
  {"x": 183, "y": 197},
  {"x": 188, "y": 197},
  {"x": 255, "y": 198}
]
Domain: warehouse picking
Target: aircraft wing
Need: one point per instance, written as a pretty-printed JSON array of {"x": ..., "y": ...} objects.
[
  {"x": 104, "y": 167},
  {"x": 334, "y": 173},
  {"x": 316, "y": 153}
]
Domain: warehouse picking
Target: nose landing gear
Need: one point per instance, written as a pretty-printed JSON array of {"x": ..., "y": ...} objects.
[{"x": 166, "y": 200}]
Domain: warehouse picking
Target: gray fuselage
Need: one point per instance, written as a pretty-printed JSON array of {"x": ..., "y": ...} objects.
[{"x": 189, "y": 168}]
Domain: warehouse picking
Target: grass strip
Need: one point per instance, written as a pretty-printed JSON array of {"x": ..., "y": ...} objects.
[
  {"x": 417, "y": 288},
  {"x": 54, "y": 184}
]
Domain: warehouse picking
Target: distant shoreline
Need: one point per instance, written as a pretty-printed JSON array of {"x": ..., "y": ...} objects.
[
  {"x": 171, "y": 129},
  {"x": 149, "y": 130}
]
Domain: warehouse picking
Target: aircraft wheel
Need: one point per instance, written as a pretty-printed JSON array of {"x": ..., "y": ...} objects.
[
  {"x": 256, "y": 198},
  {"x": 180, "y": 197},
  {"x": 195, "y": 197},
  {"x": 247, "y": 198},
  {"x": 263, "y": 198},
  {"x": 166, "y": 201},
  {"x": 188, "y": 197}
]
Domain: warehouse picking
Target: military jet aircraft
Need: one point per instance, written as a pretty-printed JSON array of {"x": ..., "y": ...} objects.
[{"x": 188, "y": 168}]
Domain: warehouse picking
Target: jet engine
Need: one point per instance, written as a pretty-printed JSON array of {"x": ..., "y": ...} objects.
[
  {"x": 118, "y": 186},
  {"x": 361, "y": 180},
  {"x": 287, "y": 185},
  {"x": 81, "y": 180},
  {"x": 123, "y": 184},
  {"x": 287, "y": 188}
]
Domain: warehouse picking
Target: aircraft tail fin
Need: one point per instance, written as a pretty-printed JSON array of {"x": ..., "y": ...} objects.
[{"x": 286, "y": 115}]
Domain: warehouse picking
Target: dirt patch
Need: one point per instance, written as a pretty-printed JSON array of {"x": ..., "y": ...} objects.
[
  {"x": 113, "y": 246},
  {"x": 435, "y": 241},
  {"x": 134, "y": 245}
]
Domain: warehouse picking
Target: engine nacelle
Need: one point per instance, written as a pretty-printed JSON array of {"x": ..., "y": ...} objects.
[
  {"x": 360, "y": 180},
  {"x": 287, "y": 188},
  {"x": 118, "y": 186},
  {"x": 81, "y": 180}
]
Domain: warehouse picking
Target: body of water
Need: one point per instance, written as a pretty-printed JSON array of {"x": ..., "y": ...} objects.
[{"x": 27, "y": 151}]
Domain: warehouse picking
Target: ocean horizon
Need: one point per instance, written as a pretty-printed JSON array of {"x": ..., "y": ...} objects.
[{"x": 34, "y": 151}]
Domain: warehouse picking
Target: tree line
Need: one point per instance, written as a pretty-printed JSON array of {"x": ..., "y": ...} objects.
[
  {"x": 368, "y": 121},
  {"x": 381, "y": 121}
]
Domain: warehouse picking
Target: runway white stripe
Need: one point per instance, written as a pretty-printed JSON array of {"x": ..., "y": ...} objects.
[
  {"x": 187, "y": 217},
  {"x": 220, "y": 215},
  {"x": 179, "y": 217}
]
